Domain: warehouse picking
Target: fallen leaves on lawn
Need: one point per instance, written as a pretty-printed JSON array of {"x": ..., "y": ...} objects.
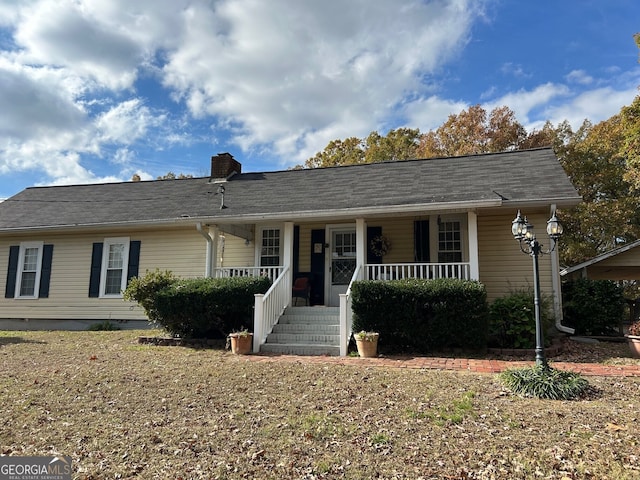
[{"x": 173, "y": 412}]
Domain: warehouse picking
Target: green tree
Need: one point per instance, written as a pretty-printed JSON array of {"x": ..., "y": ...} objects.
[
  {"x": 338, "y": 152},
  {"x": 630, "y": 149},
  {"x": 399, "y": 144},
  {"x": 594, "y": 158}
]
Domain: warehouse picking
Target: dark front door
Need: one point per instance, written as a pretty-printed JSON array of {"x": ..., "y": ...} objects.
[{"x": 317, "y": 266}]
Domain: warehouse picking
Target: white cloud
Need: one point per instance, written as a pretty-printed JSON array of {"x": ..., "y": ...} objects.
[
  {"x": 525, "y": 102},
  {"x": 36, "y": 101},
  {"x": 579, "y": 76},
  {"x": 514, "y": 70},
  {"x": 281, "y": 78},
  {"x": 285, "y": 73},
  {"x": 429, "y": 113},
  {"x": 126, "y": 122},
  {"x": 275, "y": 75},
  {"x": 597, "y": 104}
]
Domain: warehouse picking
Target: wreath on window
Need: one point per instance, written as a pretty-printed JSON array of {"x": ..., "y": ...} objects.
[{"x": 380, "y": 245}]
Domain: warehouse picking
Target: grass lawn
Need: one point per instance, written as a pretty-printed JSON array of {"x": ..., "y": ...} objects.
[{"x": 124, "y": 410}]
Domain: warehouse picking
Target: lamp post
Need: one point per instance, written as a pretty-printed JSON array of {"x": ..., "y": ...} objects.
[{"x": 523, "y": 232}]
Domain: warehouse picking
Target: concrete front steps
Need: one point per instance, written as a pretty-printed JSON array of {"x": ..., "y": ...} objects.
[{"x": 305, "y": 331}]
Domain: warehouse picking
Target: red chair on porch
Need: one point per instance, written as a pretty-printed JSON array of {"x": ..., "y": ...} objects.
[{"x": 301, "y": 289}]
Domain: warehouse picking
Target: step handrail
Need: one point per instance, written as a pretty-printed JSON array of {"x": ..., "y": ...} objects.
[
  {"x": 346, "y": 314},
  {"x": 269, "y": 306}
]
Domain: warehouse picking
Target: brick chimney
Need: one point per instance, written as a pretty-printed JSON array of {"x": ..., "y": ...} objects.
[{"x": 223, "y": 166}]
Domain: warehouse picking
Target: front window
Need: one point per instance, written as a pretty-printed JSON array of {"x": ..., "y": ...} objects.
[
  {"x": 114, "y": 266},
  {"x": 29, "y": 265},
  {"x": 449, "y": 242},
  {"x": 270, "y": 251}
]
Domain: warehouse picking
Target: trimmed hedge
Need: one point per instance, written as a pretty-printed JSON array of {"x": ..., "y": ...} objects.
[
  {"x": 199, "y": 307},
  {"x": 593, "y": 307},
  {"x": 209, "y": 307},
  {"x": 422, "y": 315}
]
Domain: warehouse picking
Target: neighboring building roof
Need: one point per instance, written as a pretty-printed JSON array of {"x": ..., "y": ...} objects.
[
  {"x": 511, "y": 178},
  {"x": 606, "y": 256}
]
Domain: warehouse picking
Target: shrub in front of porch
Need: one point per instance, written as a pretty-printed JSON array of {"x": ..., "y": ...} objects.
[
  {"x": 205, "y": 307},
  {"x": 422, "y": 315}
]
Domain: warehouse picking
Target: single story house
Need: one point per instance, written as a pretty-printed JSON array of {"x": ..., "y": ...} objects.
[{"x": 66, "y": 252}]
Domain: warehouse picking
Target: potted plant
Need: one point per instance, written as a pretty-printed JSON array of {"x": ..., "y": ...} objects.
[
  {"x": 367, "y": 343},
  {"x": 241, "y": 342},
  {"x": 633, "y": 339}
]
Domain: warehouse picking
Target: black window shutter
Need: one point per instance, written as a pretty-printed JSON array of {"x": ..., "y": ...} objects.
[
  {"x": 371, "y": 233},
  {"x": 421, "y": 241},
  {"x": 12, "y": 271},
  {"x": 134, "y": 259},
  {"x": 96, "y": 266},
  {"x": 45, "y": 272}
]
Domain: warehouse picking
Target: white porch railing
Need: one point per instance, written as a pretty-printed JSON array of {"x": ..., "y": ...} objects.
[
  {"x": 397, "y": 271},
  {"x": 346, "y": 314},
  {"x": 271, "y": 272},
  {"x": 269, "y": 306}
]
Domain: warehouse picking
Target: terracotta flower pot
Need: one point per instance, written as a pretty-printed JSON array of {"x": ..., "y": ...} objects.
[
  {"x": 241, "y": 343},
  {"x": 634, "y": 345},
  {"x": 368, "y": 345}
]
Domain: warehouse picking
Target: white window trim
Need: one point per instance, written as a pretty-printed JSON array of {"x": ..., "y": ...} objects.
[
  {"x": 258, "y": 243},
  {"x": 434, "y": 230},
  {"x": 105, "y": 261},
  {"x": 36, "y": 289}
]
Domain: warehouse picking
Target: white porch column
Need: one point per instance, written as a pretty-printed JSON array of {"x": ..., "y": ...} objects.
[
  {"x": 214, "y": 233},
  {"x": 287, "y": 245},
  {"x": 287, "y": 256},
  {"x": 361, "y": 241},
  {"x": 474, "y": 264}
]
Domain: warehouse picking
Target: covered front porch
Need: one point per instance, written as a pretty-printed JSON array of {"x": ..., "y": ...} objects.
[{"x": 334, "y": 255}]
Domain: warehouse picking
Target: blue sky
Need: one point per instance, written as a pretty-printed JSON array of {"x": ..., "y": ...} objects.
[{"x": 98, "y": 90}]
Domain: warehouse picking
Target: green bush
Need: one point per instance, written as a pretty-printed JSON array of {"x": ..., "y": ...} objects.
[
  {"x": 144, "y": 290},
  {"x": 542, "y": 381},
  {"x": 208, "y": 307},
  {"x": 593, "y": 307},
  {"x": 422, "y": 315},
  {"x": 512, "y": 320}
]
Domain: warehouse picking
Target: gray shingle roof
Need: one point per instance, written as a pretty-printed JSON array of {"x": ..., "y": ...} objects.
[{"x": 526, "y": 176}]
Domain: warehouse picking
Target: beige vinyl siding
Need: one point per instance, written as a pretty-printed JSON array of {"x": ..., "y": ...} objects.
[
  {"x": 236, "y": 253},
  {"x": 503, "y": 267},
  {"x": 399, "y": 233},
  {"x": 181, "y": 251}
]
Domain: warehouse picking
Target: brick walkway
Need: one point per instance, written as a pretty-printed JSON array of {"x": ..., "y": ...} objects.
[{"x": 437, "y": 363}]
